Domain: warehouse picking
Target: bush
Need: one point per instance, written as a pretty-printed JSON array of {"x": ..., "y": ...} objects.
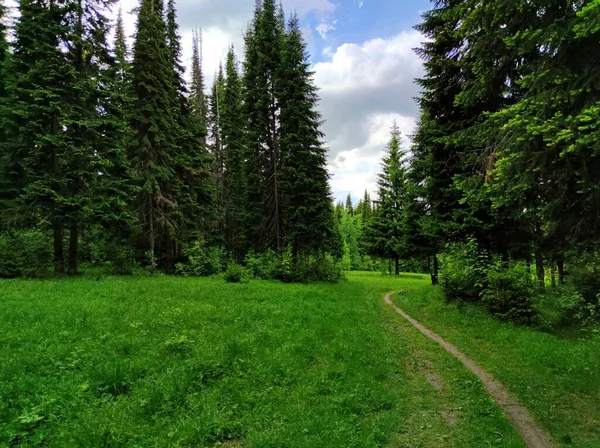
[
  {"x": 509, "y": 292},
  {"x": 463, "y": 272},
  {"x": 120, "y": 257},
  {"x": 235, "y": 273},
  {"x": 202, "y": 260},
  {"x": 575, "y": 309},
  {"x": 25, "y": 254},
  {"x": 264, "y": 266}
]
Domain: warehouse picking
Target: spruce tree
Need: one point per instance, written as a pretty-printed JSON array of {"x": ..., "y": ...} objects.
[
  {"x": 4, "y": 54},
  {"x": 88, "y": 57},
  {"x": 233, "y": 124},
  {"x": 304, "y": 177},
  {"x": 198, "y": 101},
  {"x": 261, "y": 78},
  {"x": 153, "y": 146},
  {"x": 216, "y": 146},
  {"x": 116, "y": 211},
  {"x": 385, "y": 233},
  {"x": 349, "y": 206},
  {"x": 37, "y": 148}
]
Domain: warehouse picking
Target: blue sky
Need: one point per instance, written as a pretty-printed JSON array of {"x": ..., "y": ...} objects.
[{"x": 363, "y": 20}]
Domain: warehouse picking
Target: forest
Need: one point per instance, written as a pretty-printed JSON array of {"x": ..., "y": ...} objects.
[
  {"x": 118, "y": 157},
  {"x": 175, "y": 270}
]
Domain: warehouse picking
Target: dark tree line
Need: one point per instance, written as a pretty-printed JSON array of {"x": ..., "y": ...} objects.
[
  {"x": 109, "y": 147},
  {"x": 506, "y": 156}
]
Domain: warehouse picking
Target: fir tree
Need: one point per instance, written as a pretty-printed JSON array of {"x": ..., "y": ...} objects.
[
  {"x": 37, "y": 157},
  {"x": 88, "y": 56},
  {"x": 349, "y": 206},
  {"x": 261, "y": 78},
  {"x": 154, "y": 123},
  {"x": 198, "y": 101},
  {"x": 216, "y": 146},
  {"x": 233, "y": 138},
  {"x": 386, "y": 228},
  {"x": 304, "y": 177}
]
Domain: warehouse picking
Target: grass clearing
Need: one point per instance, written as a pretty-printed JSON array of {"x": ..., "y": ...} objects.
[
  {"x": 174, "y": 362},
  {"x": 556, "y": 378}
]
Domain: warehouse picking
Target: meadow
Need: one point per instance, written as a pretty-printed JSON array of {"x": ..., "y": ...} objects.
[{"x": 100, "y": 361}]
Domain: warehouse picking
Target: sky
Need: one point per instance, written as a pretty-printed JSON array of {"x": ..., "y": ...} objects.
[{"x": 363, "y": 62}]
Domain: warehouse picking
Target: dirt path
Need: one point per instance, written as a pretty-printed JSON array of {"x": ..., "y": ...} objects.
[{"x": 519, "y": 416}]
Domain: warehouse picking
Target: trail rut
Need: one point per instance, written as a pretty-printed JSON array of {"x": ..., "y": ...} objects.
[{"x": 518, "y": 415}]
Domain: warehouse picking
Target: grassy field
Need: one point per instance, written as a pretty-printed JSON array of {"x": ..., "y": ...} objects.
[
  {"x": 175, "y": 362},
  {"x": 557, "y": 378}
]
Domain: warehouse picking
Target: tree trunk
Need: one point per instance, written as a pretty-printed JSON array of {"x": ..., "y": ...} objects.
[
  {"x": 435, "y": 274},
  {"x": 397, "y": 260},
  {"x": 59, "y": 263},
  {"x": 539, "y": 267},
  {"x": 553, "y": 275},
  {"x": 72, "y": 268},
  {"x": 390, "y": 265},
  {"x": 560, "y": 264}
]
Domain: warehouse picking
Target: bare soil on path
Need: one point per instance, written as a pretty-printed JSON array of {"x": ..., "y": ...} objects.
[{"x": 518, "y": 415}]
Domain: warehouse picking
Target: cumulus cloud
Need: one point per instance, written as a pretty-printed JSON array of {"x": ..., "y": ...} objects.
[
  {"x": 363, "y": 89},
  {"x": 223, "y": 22}
]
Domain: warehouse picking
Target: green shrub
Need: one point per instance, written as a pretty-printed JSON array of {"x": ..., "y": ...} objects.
[
  {"x": 575, "y": 309},
  {"x": 509, "y": 292},
  {"x": 324, "y": 268},
  {"x": 120, "y": 257},
  {"x": 265, "y": 265},
  {"x": 25, "y": 254},
  {"x": 463, "y": 272},
  {"x": 202, "y": 260},
  {"x": 235, "y": 273}
]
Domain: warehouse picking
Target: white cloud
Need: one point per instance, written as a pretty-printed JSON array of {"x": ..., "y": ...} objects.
[
  {"x": 325, "y": 27},
  {"x": 363, "y": 88},
  {"x": 360, "y": 3}
]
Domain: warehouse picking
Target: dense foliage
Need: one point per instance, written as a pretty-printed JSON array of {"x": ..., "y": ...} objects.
[
  {"x": 505, "y": 157},
  {"x": 98, "y": 140}
]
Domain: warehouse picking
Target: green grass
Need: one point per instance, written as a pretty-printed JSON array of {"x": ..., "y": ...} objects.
[
  {"x": 557, "y": 378},
  {"x": 183, "y": 362}
]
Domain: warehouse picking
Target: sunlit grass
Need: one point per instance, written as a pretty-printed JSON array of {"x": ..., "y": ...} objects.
[
  {"x": 557, "y": 378},
  {"x": 159, "y": 362}
]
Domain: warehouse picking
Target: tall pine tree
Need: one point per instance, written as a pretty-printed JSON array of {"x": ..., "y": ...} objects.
[
  {"x": 153, "y": 147},
  {"x": 385, "y": 232},
  {"x": 304, "y": 178}
]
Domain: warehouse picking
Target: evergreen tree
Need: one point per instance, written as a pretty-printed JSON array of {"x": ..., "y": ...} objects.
[
  {"x": 3, "y": 51},
  {"x": 261, "y": 78},
  {"x": 349, "y": 207},
  {"x": 192, "y": 185},
  {"x": 216, "y": 146},
  {"x": 233, "y": 139},
  {"x": 304, "y": 177},
  {"x": 197, "y": 95},
  {"x": 4, "y": 71},
  {"x": 385, "y": 233},
  {"x": 154, "y": 122},
  {"x": 87, "y": 56},
  {"x": 116, "y": 213},
  {"x": 37, "y": 148}
]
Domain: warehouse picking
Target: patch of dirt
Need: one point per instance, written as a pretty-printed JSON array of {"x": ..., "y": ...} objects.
[
  {"x": 432, "y": 378},
  {"x": 231, "y": 444},
  {"x": 518, "y": 415},
  {"x": 449, "y": 417}
]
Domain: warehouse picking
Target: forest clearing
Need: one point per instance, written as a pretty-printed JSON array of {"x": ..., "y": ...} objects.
[
  {"x": 206, "y": 206},
  {"x": 106, "y": 361}
]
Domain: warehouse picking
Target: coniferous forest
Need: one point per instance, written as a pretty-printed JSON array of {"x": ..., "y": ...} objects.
[
  {"x": 175, "y": 270},
  {"x": 110, "y": 156},
  {"x": 121, "y": 157}
]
